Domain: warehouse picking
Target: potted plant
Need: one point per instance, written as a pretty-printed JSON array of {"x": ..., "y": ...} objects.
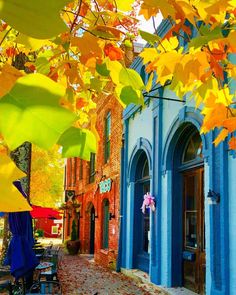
[{"x": 73, "y": 245}]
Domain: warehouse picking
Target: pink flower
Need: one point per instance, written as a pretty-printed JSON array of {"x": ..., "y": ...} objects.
[{"x": 148, "y": 202}]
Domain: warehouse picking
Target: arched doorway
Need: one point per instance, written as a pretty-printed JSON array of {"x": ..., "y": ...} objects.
[
  {"x": 105, "y": 224},
  {"x": 141, "y": 243},
  {"x": 188, "y": 227},
  {"x": 92, "y": 230}
]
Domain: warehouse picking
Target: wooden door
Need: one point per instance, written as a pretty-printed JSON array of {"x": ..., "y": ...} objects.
[
  {"x": 92, "y": 230},
  {"x": 194, "y": 231}
]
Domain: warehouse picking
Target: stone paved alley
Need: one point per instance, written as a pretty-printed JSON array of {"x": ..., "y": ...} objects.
[{"x": 80, "y": 275}]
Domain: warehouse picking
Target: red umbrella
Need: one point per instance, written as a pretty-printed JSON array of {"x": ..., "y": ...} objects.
[{"x": 43, "y": 212}]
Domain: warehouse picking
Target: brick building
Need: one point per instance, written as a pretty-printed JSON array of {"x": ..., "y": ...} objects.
[{"x": 94, "y": 188}]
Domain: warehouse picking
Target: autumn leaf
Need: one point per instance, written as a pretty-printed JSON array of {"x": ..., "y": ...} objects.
[
  {"x": 8, "y": 77},
  {"x": 11, "y": 199},
  {"x": 150, "y": 38},
  {"x": 40, "y": 20},
  {"x": 214, "y": 117},
  {"x": 222, "y": 135},
  {"x": 113, "y": 52},
  {"x": 31, "y": 112},
  {"x": 230, "y": 124},
  {"x": 78, "y": 142},
  {"x": 232, "y": 143}
]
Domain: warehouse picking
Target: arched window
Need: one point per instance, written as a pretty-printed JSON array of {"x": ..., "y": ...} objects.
[
  {"x": 105, "y": 226},
  {"x": 107, "y": 142},
  {"x": 142, "y": 187},
  {"x": 193, "y": 149},
  {"x": 145, "y": 172}
]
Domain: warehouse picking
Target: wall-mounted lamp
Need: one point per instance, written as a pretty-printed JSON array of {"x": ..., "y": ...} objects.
[{"x": 213, "y": 196}]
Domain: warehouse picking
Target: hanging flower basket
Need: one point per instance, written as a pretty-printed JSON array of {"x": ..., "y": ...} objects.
[{"x": 148, "y": 202}]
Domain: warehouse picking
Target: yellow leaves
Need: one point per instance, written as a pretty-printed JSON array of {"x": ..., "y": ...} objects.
[
  {"x": 89, "y": 48},
  {"x": 214, "y": 117},
  {"x": 107, "y": 32},
  {"x": 165, "y": 65},
  {"x": 168, "y": 45},
  {"x": 224, "y": 97},
  {"x": 8, "y": 77},
  {"x": 124, "y": 5},
  {"x": 149, "y": 55},
  {"x": 46, "y": 183},
  {"x": 11, "y": 199},
  {"x": 213, "y": 10},
  {"x": 32, "y": 43},
  {"x": 221, "y": 137},
  {"x": 150, "y": 8}
]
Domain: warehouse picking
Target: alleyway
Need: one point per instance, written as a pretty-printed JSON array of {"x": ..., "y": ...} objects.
[{"x": 79, "y": 275}]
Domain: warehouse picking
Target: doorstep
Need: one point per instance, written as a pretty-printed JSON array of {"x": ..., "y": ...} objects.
[{"x": 142, "y": 278}]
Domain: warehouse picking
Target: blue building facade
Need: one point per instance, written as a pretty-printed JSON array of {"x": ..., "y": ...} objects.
[{"x": 190, "y": 239}]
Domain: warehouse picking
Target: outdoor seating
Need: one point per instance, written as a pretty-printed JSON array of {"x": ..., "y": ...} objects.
[
  {"x": 46, "y": 287},
  {"x": 39, "y": 250},
  {"x": 50, "y": 275},
  {"x": 6, "y": 285}
]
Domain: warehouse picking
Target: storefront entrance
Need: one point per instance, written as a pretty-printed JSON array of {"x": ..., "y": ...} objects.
[
  {"x": 193, "y": 231},
  {"x": 188, "y": 226},
  {"x": 141, "y": 243},
  {"x": 92, "y": 230}
]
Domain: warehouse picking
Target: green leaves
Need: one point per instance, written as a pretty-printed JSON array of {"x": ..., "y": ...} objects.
[
  {"x": 102, "y": 69},
  {"x": 77, "y": 142},
  {"x": 39, "y": 19},
  {"x": 206, "y": 36},
  {"x": 150, "y": 38},
  {"x": 129, "y": 95},
  {"x": 129, "y": 83},
  {"x": 31, "y": 112}
]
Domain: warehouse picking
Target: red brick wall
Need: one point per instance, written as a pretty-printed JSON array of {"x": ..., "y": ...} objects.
[
  {"x": 46, "y": 225},
  {"x": 88, "y": 194}
]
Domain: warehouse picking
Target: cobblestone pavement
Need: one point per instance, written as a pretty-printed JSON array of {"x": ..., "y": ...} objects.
[{"x": 79, "y": 275}]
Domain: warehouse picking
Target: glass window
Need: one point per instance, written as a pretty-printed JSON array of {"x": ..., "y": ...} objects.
[
  {"x": 146, "y": 223},
  {"x": 80, "y": 169},
  {"x": 145, "y": 172},
  {"x": 190, "y": 212},
  {"x": 75, "y": 171},
  {"x": 193, "y": 148},
  {"x": 68, "y": 224},
  {"x": 105, "y": 224},
  {"x": 54, "y": 230},
  {"x": 107, "y": 137},
  {"x": 92, "y": 168}
]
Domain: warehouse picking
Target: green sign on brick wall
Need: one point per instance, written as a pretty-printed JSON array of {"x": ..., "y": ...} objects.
[{"x": 105, "y": 186}]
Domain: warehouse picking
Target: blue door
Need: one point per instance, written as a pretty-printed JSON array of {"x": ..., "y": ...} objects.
[{"x": 141, "y": 221}]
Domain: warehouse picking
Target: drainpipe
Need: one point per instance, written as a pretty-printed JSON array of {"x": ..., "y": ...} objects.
[{"x": 119, "y": 258}]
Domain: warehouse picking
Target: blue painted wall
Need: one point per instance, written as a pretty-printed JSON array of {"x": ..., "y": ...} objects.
[
  {"x": 160, "y": 125},
  {"x": 232, "y": 224}
]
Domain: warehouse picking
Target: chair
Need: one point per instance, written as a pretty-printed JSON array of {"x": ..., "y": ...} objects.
[
  {"x": 46, "y": 287},
  {"x": 51, "y": 274},
  {"x": 6, "y": 285}
]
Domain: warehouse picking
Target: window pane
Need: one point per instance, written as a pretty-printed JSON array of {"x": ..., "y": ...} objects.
[
  {"x": 191, "y": 229},
  {"x": 81, "y": 169},
  {"x": 191, "y": 195},
  {"x": 107, "y": 137},
  {"x": 145, "y": 169},
  {"x": 146, "y": 223},
  {"x": 105, "y": 224},
  {"x": 193, "y": 149},
  {"x": 92, "y": 168}
]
